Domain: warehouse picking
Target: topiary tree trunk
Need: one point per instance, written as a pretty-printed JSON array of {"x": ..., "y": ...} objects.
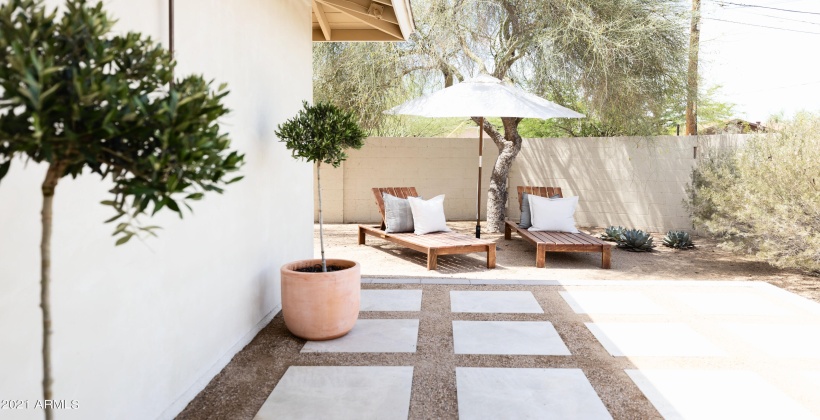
[{"x": 48, "y": 188}]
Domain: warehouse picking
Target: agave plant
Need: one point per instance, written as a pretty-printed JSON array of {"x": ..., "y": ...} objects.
[
  {"x": 678, "y": 239},
  {"x": 635, "y": 240},
  {"x": 612, "y": 233}
]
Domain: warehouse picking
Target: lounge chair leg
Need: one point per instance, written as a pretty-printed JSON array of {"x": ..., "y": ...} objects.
[
  {"x": 507, "y": 232},
  {"x": 431, "y": 259},
  {"x": 361, "y": 236},
  {"x": 541, "y": 255},
  {"x": 606, "y": 255},
  {"x": 491, "y": 256}
]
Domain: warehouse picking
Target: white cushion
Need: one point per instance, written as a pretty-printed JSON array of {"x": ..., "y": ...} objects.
[
  {"x": 553, "y": 214},
  {"x": 428, "y": 216}
]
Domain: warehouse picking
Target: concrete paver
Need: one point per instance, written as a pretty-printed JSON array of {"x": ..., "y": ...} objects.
[{"x": 592, "y": 349}]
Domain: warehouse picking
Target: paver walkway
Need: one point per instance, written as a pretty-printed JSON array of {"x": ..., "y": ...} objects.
[{"x": 580, "y": 350}]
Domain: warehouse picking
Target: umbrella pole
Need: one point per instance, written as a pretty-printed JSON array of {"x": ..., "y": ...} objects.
[{"x": 478, "y": 193}]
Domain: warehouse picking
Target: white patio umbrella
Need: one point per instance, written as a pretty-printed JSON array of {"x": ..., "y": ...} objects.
[{"x": 482, "y": 96}]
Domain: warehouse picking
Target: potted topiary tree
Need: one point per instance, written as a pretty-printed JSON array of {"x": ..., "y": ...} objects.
[
  {"x": 80, "y": 98},
  {"x": 320, "y": 297}
]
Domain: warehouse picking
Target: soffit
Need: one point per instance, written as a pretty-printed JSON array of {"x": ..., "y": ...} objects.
[{"x": 361, "y": 20}]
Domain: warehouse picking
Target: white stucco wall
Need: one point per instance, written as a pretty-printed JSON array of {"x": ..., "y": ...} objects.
[{"x": 140, "y": 329}]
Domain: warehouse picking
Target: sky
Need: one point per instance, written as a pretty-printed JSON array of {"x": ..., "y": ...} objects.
[{"x": 763, "y": 71}]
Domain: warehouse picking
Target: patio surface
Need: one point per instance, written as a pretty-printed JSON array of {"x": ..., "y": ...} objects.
[
  {"x": 517, "y": 342},
  {"x": 578, "y": 349}
]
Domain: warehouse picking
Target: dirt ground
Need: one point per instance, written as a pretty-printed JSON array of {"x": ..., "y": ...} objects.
[{"x": 516, "y": 260}]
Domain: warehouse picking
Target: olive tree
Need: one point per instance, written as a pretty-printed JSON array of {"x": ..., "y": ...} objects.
[
  {"x": 320, "y": 134},
  {"x": 81, "y": 100}
]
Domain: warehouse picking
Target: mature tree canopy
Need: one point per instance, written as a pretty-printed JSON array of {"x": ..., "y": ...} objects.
[{"x": 620, "y": 62}]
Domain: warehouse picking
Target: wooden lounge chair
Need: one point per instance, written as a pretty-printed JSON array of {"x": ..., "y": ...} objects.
[
  {"x": 432, "y": 244},
  {"x": 556, "y": 241}
]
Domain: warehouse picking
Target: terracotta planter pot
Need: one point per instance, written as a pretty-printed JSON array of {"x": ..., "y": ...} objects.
[{"x": 321, "y": 306}]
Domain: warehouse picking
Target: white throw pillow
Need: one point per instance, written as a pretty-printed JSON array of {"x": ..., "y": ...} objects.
[
  {"x": 428, "y": 216},
  {"x": 553, "y": 214},
  {"x": 397, "y": 214}
]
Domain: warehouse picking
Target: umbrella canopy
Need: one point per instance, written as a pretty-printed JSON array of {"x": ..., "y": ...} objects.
[{"x": 482, "y": 96}]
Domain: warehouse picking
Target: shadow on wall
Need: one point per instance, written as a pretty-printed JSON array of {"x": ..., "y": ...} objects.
[{"x": 636, "y": 182}]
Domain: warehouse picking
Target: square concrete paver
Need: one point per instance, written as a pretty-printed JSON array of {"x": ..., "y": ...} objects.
[
  {"x": 391, "y": 300},
  {"x": 520, "y": 393},
  {"x": 652, "y": 339},
  {"x": 507, "y": 337},
  {"x": 611, "y": 302},
  {"x": 737, "y": 302},
  {"x": 716, "y": 394},
  {"x": 372, "y": 336},
  {"x": 340, "y": 392},
  {"x": 779, "y": 340},
  {"x": 500, "y": 302}
]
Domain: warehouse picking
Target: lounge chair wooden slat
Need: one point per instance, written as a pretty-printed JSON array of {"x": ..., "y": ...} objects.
[
  {"x": 432, "y": 244},
  {"x": 556, "y": 241}
]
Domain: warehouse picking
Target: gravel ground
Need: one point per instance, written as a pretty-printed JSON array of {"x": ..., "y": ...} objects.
[
  {"x": 243, "y": 386},
  {"x": 516, "y": 260}
]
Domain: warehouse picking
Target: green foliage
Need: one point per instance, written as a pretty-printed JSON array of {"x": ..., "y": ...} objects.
[
  {"x": 76, "y": 96},
  {"x": 362, "y": 76},
  {"x": 619, "y": 62},
  {"x": 678, "y": 239},
  {"x": 635, "y": 240},
  {"x": 320, "y": 133},
  {"x": 613, "y": 233},
  {"x": 764, "y": 198},
  {"x": 711, "y": 109}
]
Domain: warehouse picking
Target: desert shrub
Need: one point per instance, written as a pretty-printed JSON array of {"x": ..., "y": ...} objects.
[
  {"x": 613, "y": 233},
  {"x": 764, "y": 198},
  {"x": 678, "y": 239},
  {"x": 635, "y": 240}
]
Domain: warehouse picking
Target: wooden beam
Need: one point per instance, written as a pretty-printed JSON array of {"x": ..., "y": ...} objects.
[
  {"x": 388, "y": 15},
  {"x": 352, "y": 35},
  {"x": 352, "y": 9},
  {"x": 319, "y": 11},
  {"x": 362, "y": 6}
]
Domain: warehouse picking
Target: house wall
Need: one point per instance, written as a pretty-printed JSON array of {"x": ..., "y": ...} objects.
[
  {"x": 635, "y": 182},
  {"x": 140, "y": 329}
]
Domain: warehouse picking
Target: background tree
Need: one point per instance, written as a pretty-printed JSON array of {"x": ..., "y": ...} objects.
[
  {"x": 365, "y": 76},
  {"x": 618, "y": 61},
  {"x": 84, "y": 101}
]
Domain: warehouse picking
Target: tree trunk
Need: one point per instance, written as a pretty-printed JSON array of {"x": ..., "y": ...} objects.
[
  {"x": 321, "y": 221},
  {"x": 508, "y": 147},
  {"x": 55, "y": 172},
  {"x": 448, "y": 77},
  {"x": 692, "y": 75}
]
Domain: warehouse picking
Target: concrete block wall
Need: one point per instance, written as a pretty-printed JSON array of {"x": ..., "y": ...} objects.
[
  {"x": 636, "y": 182},
  {"x": 433, "y": 165}
]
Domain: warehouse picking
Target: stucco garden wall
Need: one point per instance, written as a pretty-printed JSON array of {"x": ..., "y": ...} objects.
[
  {"x": 140, "y": 329},
  {"x": 635, "y": 182}
]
